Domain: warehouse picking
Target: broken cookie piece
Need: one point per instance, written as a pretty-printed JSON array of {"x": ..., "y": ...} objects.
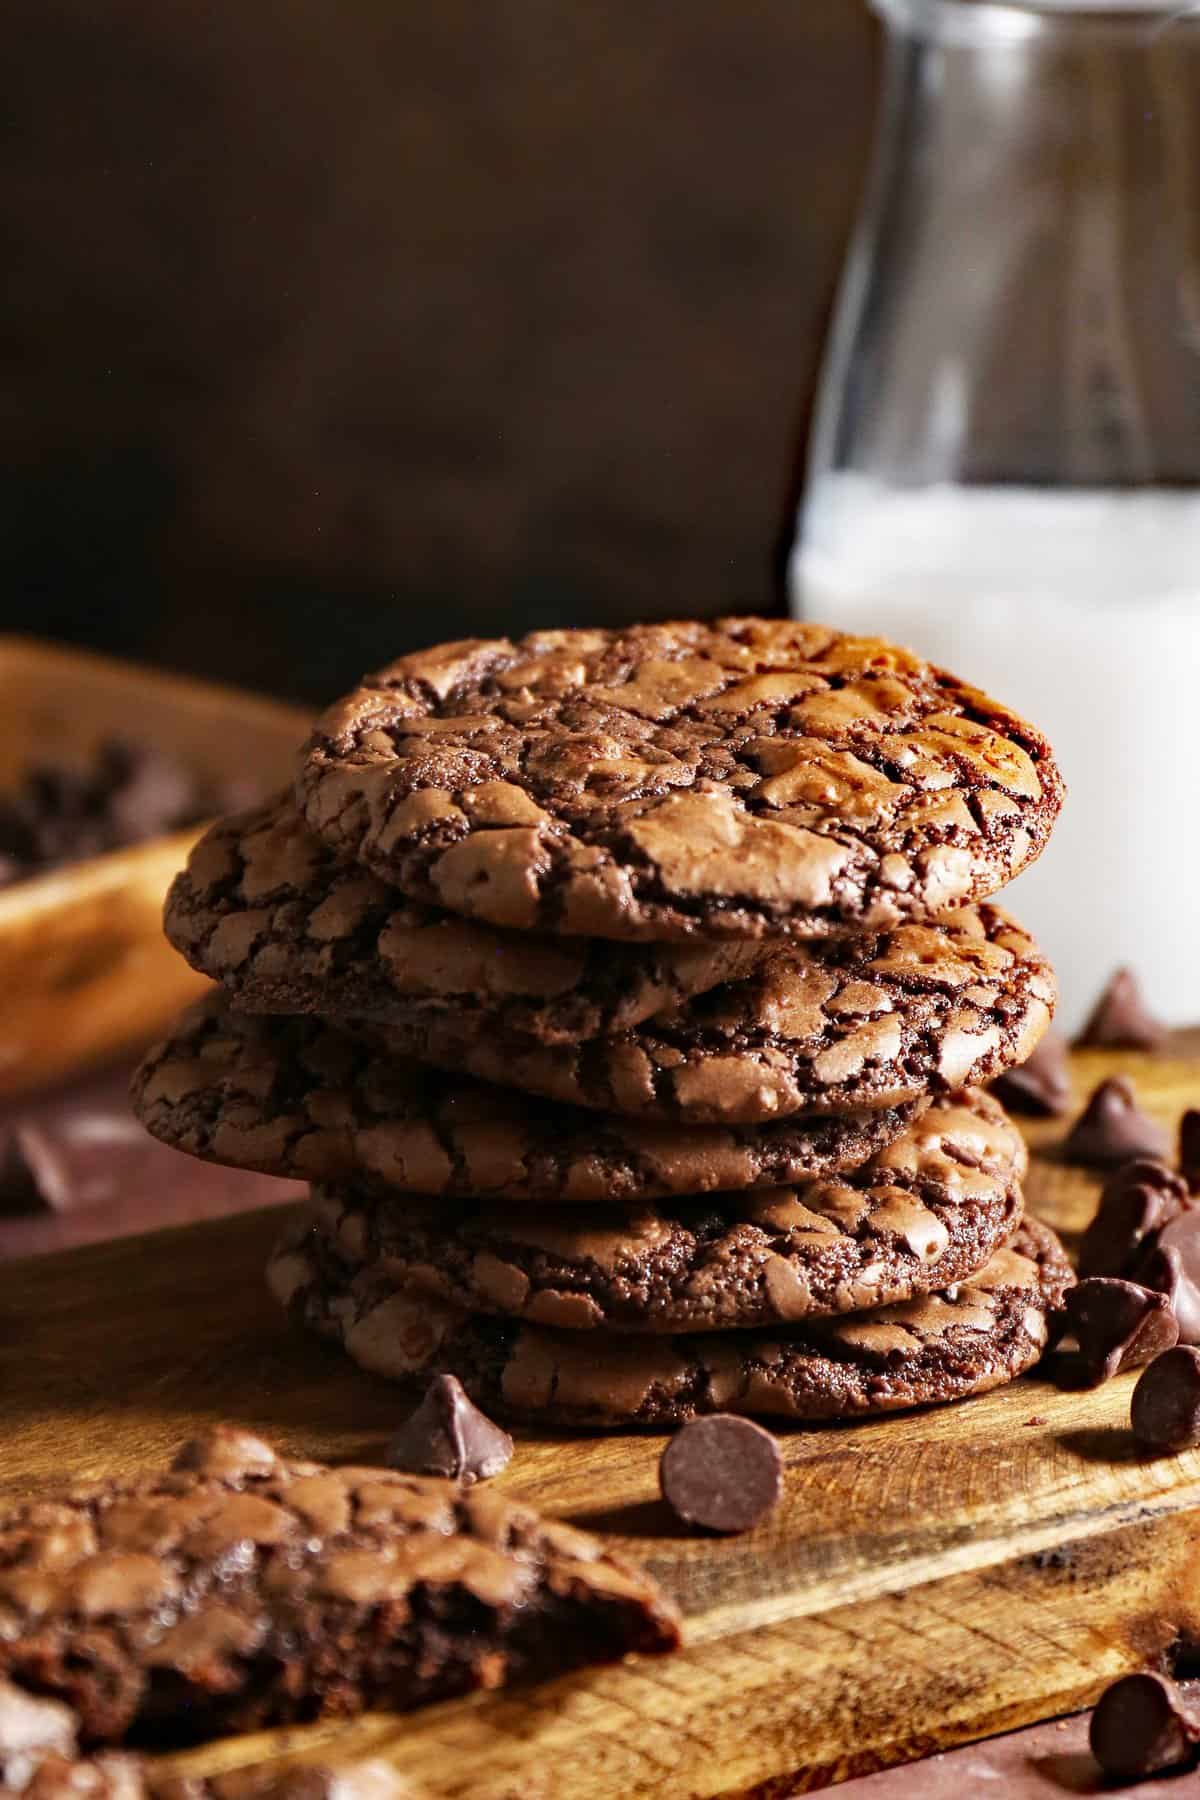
[{"x": 239, "y": 1589}]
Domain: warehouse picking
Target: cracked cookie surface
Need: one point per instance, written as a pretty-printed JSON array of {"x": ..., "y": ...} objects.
[
  {"x": 265, "y": 908},
  {"x": 924, "y": 1213},
  {"x": 296, "y": 1097},
  {"x": 239, "y": 1590},
  {"x": 934, "y": 1348},
  {"x": 737, "y": 777},
  {"x": 875, "y": 1021}
]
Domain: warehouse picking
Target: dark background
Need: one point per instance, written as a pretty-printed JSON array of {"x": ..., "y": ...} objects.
[{"x": 329, "y": 327}]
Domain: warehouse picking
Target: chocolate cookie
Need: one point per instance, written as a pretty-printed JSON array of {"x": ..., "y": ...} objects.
[
  {"x": 738, "y": 777},
  {"x": 876, "y": 1021},
  {"x": 239, "y": 1590},
  {"x": 939, "y": 1347},
  {"x": 925, "y": 1212},
  {"x": 297, "y": 1097},
  {"x": 264, "y": 908}
]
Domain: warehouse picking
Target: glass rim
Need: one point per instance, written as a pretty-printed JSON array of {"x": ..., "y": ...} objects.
[{"x": 1022, "y": 17}]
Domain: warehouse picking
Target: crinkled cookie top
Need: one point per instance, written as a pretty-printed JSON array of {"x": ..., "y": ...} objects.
[{"x": 736, "y": 777}]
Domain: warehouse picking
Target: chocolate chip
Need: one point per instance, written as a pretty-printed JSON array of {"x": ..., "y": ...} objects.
[
  {"x": 448, "y": 1435},
  {"x": 721, "y": 1473},
  {"x": 227, "y": 1452},
  {"x": 1139, "y": 1198},
  {"x": 1142, "y": 1726},
  {"x": 1117, "y": 1325},
  {"x": 36, "y": 1172},
  {"x": 1120, "y": 1020},
  {"x": 127, "y": 793},
  {"x": 1172, "y": 1265},
  {"x": 1165, "y": 1410},
  {"x": 1112, "y": 1129},
  {"x": 21, "y": 1190},
  {"x": 1041, "y": 1085},
  {"x": 66, "y": 1162},
  {"x": 1189, "y": 1148}
]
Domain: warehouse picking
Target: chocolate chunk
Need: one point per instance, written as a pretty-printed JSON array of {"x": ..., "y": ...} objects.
[
  {"x": 448, "y": 1435},
  {"x": 721, "y": 1473},
  {"x": 22, "y": 1188},
  {"x": 127, "y": 793},
  {"x": 1137, "y": 1200},
  {"x": 1112, "y": 1129},
  {"x": 1143, "y": 1726},
  {"x": 1041, "y": 1086},
  {"x": 1165, "y": 1410},
  {"x": 1189, "y": 1148},
  {"x": 1172, "y": 1266},
  {"x": 65, "y": 1162},
  {"x": 1117, "y": 1325},
  {"x": 1147, "y": 1228},
  {"x": 1163, "y": 1272},
  {"x": 1120, "y": 1021},
  {"x": 226, "y": 1453}
]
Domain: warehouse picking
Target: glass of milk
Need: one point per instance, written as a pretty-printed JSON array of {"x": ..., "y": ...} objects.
[{"x": 1005, "y": 465}]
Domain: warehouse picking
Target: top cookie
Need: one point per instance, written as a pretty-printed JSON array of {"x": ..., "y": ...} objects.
[{"x": 737, "y": 778}]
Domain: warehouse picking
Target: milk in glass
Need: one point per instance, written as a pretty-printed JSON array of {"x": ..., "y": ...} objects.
[
  {"x": 1004, "y": 471},
  {"x": 1081, "y": 609}
]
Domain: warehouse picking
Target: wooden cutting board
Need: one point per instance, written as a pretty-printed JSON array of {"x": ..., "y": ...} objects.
[{"x": 928, "y": 1579}]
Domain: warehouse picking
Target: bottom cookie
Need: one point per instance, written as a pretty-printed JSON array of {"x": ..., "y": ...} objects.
[{"x": 975, "y": 1336}]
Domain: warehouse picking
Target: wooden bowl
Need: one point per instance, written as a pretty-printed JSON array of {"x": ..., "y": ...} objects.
[{"x": 85, "y": 971}]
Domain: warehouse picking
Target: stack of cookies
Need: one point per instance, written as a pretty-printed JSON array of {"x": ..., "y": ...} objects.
[{"x": 627, "y": 997}]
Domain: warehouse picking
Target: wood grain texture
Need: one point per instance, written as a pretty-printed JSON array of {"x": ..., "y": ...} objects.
[{"x": 927, "y": 1579}]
